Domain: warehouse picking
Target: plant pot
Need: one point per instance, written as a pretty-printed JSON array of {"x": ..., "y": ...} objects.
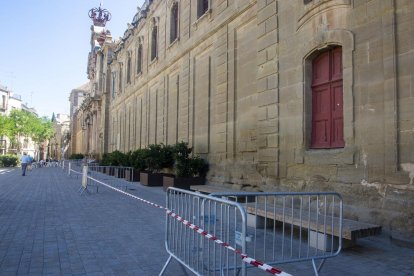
[
  {"x": 182, "y": 182},
  {"x": 132, "y": 175},
  {"x": 151, "y": 179}
]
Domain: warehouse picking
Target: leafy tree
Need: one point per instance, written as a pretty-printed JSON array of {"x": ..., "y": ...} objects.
[
  {"x": 4, "y": 126},
  {"x": 21, "y": 123},
  {"x": 42, "y": 130}
]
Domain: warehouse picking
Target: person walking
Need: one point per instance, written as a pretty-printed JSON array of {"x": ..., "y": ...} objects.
[{"x": 25, "y": 160}]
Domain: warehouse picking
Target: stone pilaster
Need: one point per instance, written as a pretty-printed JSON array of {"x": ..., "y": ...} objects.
[{"x": 267, "y": 88}]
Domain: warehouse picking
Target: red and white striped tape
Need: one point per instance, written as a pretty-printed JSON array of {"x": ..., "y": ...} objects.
[{"x": 245, "y": 258}]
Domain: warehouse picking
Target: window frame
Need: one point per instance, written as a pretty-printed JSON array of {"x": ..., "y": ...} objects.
[
  {"x": 327, "y": 85},
  {"x": 120, "y": 78},
  {"x": 139, "y": 59},
  {"x": 303, "y": 154},
  {"x": 154, "y": 40},
  {"x": 113, "y": 85},
  {"x": 128, "y": 69},
  {"x": 174, "y": 22},
  {"x": 201, "y": 10}
]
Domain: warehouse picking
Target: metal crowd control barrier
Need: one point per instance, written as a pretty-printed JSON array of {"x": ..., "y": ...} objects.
[
  {"x": 114, "y": 176},
  {"x": 291, "y": 227},
  {"x": 224, "y": 219},
  {"x": 215, "y": 244},
  {"x": 74, "y": 169}
]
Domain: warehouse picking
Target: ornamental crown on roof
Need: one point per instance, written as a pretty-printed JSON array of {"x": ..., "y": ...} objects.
[{"x": 99, "y": 16}]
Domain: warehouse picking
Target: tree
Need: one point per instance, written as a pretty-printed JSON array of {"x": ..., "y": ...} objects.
[
  {"x": 18, "y": 127},
  {"x": 42, "y": 130},
  {"x": 4, "y": 126},
  {"x": 21, "y": 123}
]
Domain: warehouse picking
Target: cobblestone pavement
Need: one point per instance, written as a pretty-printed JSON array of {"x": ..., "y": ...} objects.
[{"x": 47, "y": 228}]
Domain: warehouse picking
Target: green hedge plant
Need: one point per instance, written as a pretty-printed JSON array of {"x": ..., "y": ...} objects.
[
  {"x": 186, "y": 166},
  {"x": 76, "y": 156},
  {"x": 158, "y": 157},
  {"x": 8, "y": 160},
  {"x": 138, "y": 159}
]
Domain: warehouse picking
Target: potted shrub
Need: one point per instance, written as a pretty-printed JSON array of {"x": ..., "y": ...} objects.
[
  {"x": 113, "y": 160},
  {"x": 188, "y": 170},
  {"x": 157, "y": 158},
  {"x": 137, "y": 162},
  {"x": 119, "y": 160},
  {"x": 105, "y": 162}
]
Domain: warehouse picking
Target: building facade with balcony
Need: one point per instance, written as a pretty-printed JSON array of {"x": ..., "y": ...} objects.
[{"x": 8, "y": 102}]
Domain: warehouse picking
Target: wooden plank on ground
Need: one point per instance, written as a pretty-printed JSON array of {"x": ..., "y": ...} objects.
[{"x": 351, "y": 229}]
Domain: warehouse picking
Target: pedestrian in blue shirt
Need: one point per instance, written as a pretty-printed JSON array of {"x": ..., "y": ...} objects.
[{"x": 25, "y": 160}]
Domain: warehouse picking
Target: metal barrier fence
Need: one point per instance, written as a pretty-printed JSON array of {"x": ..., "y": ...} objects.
[
  {"x": 212, "y": 245},
  {"x": 228, "y": 230},
  {"x": 291, "y": 227},
  {"x": 223, "y": 219},
  {"x": 74, "y": 168},
  {"x": 115, "y": 176}
]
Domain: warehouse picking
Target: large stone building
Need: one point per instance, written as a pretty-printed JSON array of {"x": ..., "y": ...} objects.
[
  {"x": 77, "y": 126},
  {"x": 60, "y": 142},
  {"x": 277, "y": 95}
]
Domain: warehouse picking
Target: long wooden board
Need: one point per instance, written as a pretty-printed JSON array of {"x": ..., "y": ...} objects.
[{"x": 351, "y": 229}]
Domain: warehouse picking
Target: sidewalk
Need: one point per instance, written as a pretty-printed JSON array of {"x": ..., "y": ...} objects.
[{"x": 47, "y": 228}]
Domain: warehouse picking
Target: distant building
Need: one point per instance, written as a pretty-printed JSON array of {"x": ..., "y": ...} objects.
[
  {"x": 8, "y": 102},
  {"x": 76, "y": 132},
  {"x": 60, "y": 142},
  {"x": 4, "y": 98}
]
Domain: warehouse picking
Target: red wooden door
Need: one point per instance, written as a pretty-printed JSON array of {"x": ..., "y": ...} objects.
[{"x": 327, "y": 100}]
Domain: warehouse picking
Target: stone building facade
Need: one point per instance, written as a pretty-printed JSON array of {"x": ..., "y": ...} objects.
[
  {"x": 59, "y": 143},
  {"x": 278, "y": 95},
  {"x": 77, "y": 127}
]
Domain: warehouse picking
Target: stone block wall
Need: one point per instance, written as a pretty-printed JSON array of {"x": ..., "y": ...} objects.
[{"x": 236, "y": 86}]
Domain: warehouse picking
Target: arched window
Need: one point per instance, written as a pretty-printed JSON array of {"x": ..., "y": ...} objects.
[
  {"x": 327, "y": 100},
  {"x": 139, "y": 59},
  {"x": 154, "y": 41},
  {"x": 174, "y": 22},
  {"x": 202, "y": 7},
  {"x": 129, "y": 70}
]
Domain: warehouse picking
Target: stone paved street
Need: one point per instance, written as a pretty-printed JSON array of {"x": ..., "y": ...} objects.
[{"x": 47, "y": 228}]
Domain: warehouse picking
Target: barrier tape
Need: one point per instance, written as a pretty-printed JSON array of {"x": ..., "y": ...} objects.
[
  {"x": 76, "y": 172},
  {"x": 245, "y": 258}
]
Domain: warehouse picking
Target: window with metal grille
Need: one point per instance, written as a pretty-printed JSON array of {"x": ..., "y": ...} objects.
[
  {"x": 120, "y": 79},
  {"x": 154, "y": 38},
  {"x": 113, "y": 84},
  {"x": 129, "y": 70},
  {"x": 202, "y": 7},
  {"x": 139, "y": 59},
  {"x": 327, "y": 100},
  {"x": 174, "y": 23}
]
